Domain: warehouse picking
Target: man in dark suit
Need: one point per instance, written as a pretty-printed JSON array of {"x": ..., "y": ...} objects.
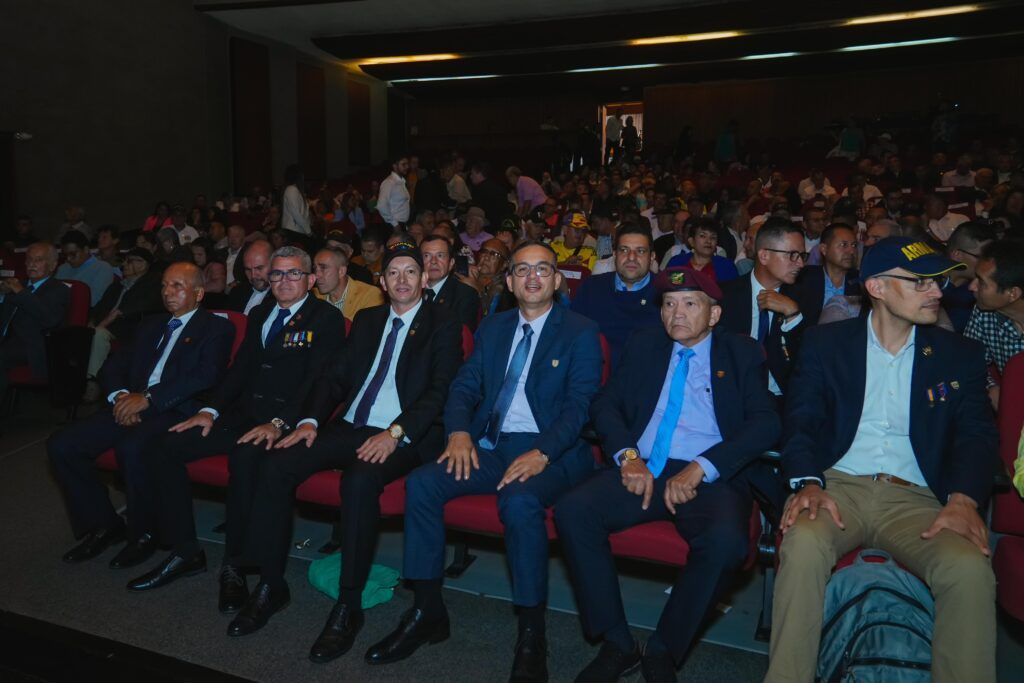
[
  {"x": 253, "y": 289},
  {"x": 754, "y": 306},
  {"x": 29, "y": 310},
  {"x": 151, "y": 385},
  {"x": 392, "y": 376},
  {"x": 816, "y": 285},
  {"x": 444, "y": 288},
  {"x": 513, "y": 420},
  {"x": 890, "y": 442},
  {"x": 288, "y": 341},
  {"x": 684, "y": 413}
]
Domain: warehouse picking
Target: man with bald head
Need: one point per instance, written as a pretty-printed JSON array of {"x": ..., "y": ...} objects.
[
  {"x": 250, "y": 293},
  {"x": 150, "y": 385},
  {"x": 28, "y": 310}
]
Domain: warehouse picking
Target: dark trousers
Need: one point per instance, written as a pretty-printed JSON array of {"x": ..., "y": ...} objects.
[
  {"x": 361, "y": 486},
  {"x": 715, "y": 525},
  {"x": 176, "y": 521},
  {"x": 12, "y": 354},
  {"x": 521, "y": 507},
  {"x": 73, "y": 452}
]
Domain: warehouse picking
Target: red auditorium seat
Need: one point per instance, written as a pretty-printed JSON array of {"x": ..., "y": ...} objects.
[
  {"x": 1007, "y": 506},
  {"x": 574, "y": 277},
  {"x": 77, "y": 316}
]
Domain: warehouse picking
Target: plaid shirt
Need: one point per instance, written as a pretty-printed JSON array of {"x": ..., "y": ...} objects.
[{"x": 998, "y": 333}]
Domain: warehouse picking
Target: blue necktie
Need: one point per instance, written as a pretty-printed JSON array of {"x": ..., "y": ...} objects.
[
  {"x": 670, "y": 420},
  {"x": 277, "y": 325},
  {"x": 370, "y": 395},
  {"x": 508, "y": 389},
  {"x": 762, "y": 326},
  {"x": 172, "y": 325}
]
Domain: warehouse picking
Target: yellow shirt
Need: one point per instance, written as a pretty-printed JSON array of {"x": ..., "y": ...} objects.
[
  {"x": 587, "y": 256},
  {"x": 357, "y": 296}
]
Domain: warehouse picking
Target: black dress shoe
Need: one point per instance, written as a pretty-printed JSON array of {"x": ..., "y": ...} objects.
[
  {"x": 413, "y": 630},
  {"x": 168, "y": 571},
  {"x": 234, "y": 590},
  {"x": 338, "y": 635},
  {"x": 658, "y": 667},
  {"x": 531, "y": 662},
  {"x": 258, "y": 609},
  {"x": 94, "y": 543},
  {"x": 610, "y": 665},
  {"x": 135, "y": 552}
]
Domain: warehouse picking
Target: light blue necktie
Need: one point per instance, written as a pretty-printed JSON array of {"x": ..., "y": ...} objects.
[
  {"x": 276, "y": 326},
  {"x": 673, "y": 409},
  {"x": 508, "y": 389}
]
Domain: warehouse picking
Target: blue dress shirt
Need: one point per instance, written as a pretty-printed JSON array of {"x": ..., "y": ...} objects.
[
  {"x": 831, "y": 290},
  {"x": 519, "y": 417},
  {"x": 621, "y": 286}
]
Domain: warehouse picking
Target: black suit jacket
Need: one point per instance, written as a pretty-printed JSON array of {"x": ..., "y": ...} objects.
[
  {"x": 744, "y": 408},
  {"x": 426, "y": 366},
  {"x": 782, "y": 348},
  {"x": 955, "y": 440},
  {"x": 268, "y": 382},
  {"x": 195, "y": 364},
  {"x": 809, "y": 291},
  {"x": 31, "y": 316},
  {"x": 142, "y": 299},
  {"x": 461, "y": 299}
]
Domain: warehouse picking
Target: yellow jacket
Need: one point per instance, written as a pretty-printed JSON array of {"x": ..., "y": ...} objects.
[
  {"x": 587, "y": 255},
  {"x": 358, "y": 296}
]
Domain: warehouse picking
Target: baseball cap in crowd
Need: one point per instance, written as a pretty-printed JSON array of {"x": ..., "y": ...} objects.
[
  {"x": 399, "y": 250},
  {"x": 577, "y": 220},
  {"x": 509, "y": 224},
  {"x": 536, "y": 215},
  {"x": 912, "y": 255},
  {"x": 610, "y": 212},
  {"x": 686, "y": 279}
]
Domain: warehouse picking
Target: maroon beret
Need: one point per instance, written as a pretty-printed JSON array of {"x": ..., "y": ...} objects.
[{"x": 686, "y": 279}]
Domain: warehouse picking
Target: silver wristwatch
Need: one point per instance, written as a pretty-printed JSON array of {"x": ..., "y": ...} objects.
[{"x": 279, "y": 424}]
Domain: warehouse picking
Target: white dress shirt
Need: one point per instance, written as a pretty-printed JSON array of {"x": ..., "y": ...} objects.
[
  {"x": 273, "y": 315},
  {"x": 229, "y": 265},
  {"x": 255, "y": 299},
  {"x": 158, "y": 369},
  {"x": 393, "y": 200},
  {"x": 519, "y": 417},
  {"x": 437, "y": 286},
  {"x": 755, "y": 318},
  {"x": 943, "y": 227},
  {"x": 295, "y": 211}
]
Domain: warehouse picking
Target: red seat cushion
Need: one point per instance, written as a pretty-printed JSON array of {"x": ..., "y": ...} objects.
[
  {"x": 1008, "y": 565},
  {"x": 324, "y": 488},
  {"x": 479, "y": 514},
  {"x": 22, "y": 376},
  {"x": 212, "y": 471},
  {"x": 654, "y": 541}
]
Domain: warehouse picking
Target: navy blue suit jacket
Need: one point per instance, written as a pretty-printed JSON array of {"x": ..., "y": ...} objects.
[
  {"x": 563, "y": 377},
  {"x": 196, "y": 363},
  {"x": 955, "y": 440},
  {"x": 744, "y": 408}
]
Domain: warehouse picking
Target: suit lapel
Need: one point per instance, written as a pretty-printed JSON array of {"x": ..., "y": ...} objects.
[
  {"x": 853, "y": 380},
  {"x": 662, "y": 355},
  {"x": 724, "y": 401},
  {"x": 920, "y": 379},
  {"x": 373, "y": 337},
  {"x": 445, "y": 293},
  {"x": 419, "y": 331},
  {"x": 500, "y": 357},
  {"x": 547, "y": 338},
  {"x": 195, "y": 327},
  {"x": 817, "y": 296}
]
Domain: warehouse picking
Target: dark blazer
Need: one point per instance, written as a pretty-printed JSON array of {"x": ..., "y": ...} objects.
[
  {"x": 264, "y": 383},
  {"x": 955, "y": 440},
  {"x": 429, "y": 359},
  {"x": 461, "y": 299},
  {"x": 744, "y": 408},
  {"x": 31, "y": 316},
  {"x": 237, "y": 298},
  {"x": 782, "y": 347},
  {"x": 563, "y": 377},
  {"x": 809, "y": 291},
  {"x": 142, "y": 299},
  {"x": 196, "y": 363}
]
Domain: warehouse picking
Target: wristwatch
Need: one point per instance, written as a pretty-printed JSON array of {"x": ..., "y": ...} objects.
[
  {"x": 279, "y": 424},
  {"x": 148, "y": 396},
  {"x": 628, "y": 455},
  {"x": 803, "y": 483},
  {"x": 396, "y": 432}
]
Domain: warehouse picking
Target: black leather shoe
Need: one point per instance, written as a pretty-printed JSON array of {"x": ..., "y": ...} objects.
[
  {"x": 168, "y": 571},
  {"x": 258, "y": 609},
  {"x": 135, "y": 552},
  {"x": 94, "y": 543},
  {"x": 531, "y": 662},
  {"x": 338, "y": 635},
  {"x": 610, "y": 665},
  {"x": 413, "y": 630},
  {"x": 234, "y": 590},
  {"x": 658, "y": 667}
]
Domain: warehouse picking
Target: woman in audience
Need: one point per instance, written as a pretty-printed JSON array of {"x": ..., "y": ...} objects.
[
  {"x": 160, "y": 218},
  {"x": 214, "y": 273}
]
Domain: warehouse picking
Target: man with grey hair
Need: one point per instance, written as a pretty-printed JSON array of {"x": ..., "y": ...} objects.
[{"x": 289, "y": 339}]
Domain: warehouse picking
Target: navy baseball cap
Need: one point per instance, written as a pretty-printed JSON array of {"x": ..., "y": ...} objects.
[
  {"x": 686, "y": 279},
  {"x": 399, "y": 250},
  {"x": 912, "y": 255}
]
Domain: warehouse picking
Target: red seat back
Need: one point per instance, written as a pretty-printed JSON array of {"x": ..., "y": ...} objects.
[
  {"x": 1007, "y": 506},
  {"x": 574, "y": 276},
  {"x": 606, "y": 360},
  {"x": 78, "y": 309},
  {"x": 467, "y": 343},
  {"x": 240, "y": 322}
]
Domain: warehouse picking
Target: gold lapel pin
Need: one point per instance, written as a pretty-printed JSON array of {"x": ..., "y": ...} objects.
[
  {"x": 643, "y": 302},
  {"x": 927, "y": 350},
  {"x": 412, "y": 331},
  {"x": 554, "y": 363},
  {"x": 720, "y": 374},
  {"x": 187, "y": 340},
  {"x": 955, "y": 384}
]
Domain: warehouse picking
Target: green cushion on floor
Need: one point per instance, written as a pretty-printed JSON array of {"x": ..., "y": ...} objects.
[{"x": 380, "y": 586}]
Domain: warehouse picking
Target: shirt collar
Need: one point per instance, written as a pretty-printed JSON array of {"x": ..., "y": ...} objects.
[
  {"x": 439, "y": 284},
  {"x": 188, "y": 316},
  {"x": 397, "y": 177},
  {"x": 38, "y": 283},
  {"x": 406, "y": 317},
  {"x": 291, "y": 309},
  {"x": 621, "y": 286},
  {"x": 873, "y": 339},
  {"x": 701, "y": 350},
  {"x": 537, "y": 324},
  {"x": 756, "y": 285}
]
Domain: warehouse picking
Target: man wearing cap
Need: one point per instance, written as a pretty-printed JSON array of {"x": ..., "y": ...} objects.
[
  {"x": 513, "y": 420},
  {"x": 151, "y": 383},
  {"x": 571, "y": 247},
  {"x": 334, "y": 285},
  {"x": 535, "y": 225},
  {"x": 444, "y": 289},
  {"x": 392, "y": 376},
  {"x": 474, "y": 235},
  {"x": 890, "y": 443},
  {"x": 685, "y": 411}
]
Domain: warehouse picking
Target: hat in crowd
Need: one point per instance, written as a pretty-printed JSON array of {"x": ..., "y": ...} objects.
[
  {"x": 138, "y": 252},
  {"x": 612, "y": 213},
  {"x": 509, "y": 224},
  {"x": 178, "y": 210},
  {"x": 536, "y": 215},
  {"x": 577, "y": 219},
  {"x": 337, "y": 236},
  {"x": 479, "y": 213},
  {"x": 168, "y": 233},
  {"x": 912, "y": 255},
  {"x": 400, "y": 249},
  {"x": 686, "y": 279}
]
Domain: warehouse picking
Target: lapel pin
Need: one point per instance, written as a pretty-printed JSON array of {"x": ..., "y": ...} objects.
[
  {"x": 187, "y": 340},
  {"x": 720, "y": 374},
  {"x": 412, "y": 331},
  {"x": 643, "y": 302},
  {"x": 291, "y": 324},
  {"x": 441, "y": 300},
  {"x": 554, "y": 363},
  {"x": 927, "y": 350},
  {"x": 955, "y": 384}
]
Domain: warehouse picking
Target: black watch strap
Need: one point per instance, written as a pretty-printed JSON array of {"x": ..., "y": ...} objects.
[{"x": 803, "y": 483}]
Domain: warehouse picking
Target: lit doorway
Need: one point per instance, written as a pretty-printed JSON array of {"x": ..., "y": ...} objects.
[{"x": 621, "y": 111}]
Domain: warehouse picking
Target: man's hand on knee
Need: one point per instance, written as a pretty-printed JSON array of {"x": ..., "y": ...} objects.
[
  {"x": 461, "y": 455},
  {"x": 960, "y": 515},
  {"x": 811, "y": 498}
]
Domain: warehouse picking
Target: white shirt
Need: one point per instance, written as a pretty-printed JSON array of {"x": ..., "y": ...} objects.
[
  {"x": 187, "y": 234},
  {"x": 755, "y": 318},
  {"x": 255, "y": 299},
  {"x": 870, "y": 192},
  {"x": 519, "y": 417},
  {"x": 294, "y": 211},
  {"x": 943, "y": 227},
  {"x": 269, "y": 322},
  {"x": 393, "y": 200},
  {"x": 158, "y": 369},
  {"x": 458, "y": 192},
  {"x": 808, "y": 191},
  {"x": 882, "y": 443}
]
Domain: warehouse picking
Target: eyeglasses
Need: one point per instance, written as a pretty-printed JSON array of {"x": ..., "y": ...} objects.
[
  {"x": 923, "y": 284},
  {"x": 293, "y": 275},
  {"x": 491, "y": 253},
  {"x": 793, "y": 255},
  {"x": 541, "y": 269},
  {"x": 626, "y": 251}
]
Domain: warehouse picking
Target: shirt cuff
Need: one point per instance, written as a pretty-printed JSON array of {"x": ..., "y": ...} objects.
[
  {"x": 308, "y": 421},
  {"x": 790, "y": 324},
  {"x": 796, "y": 480},
  {"x": 113, "y": 394},
  {"x": 710, "y": 471},
  {"x": 211, "y": 411}
]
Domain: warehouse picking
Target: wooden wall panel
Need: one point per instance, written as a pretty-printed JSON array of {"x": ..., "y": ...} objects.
[
  {"x": 250, "y": 114},
  {"x": 311, "y": 121}
]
